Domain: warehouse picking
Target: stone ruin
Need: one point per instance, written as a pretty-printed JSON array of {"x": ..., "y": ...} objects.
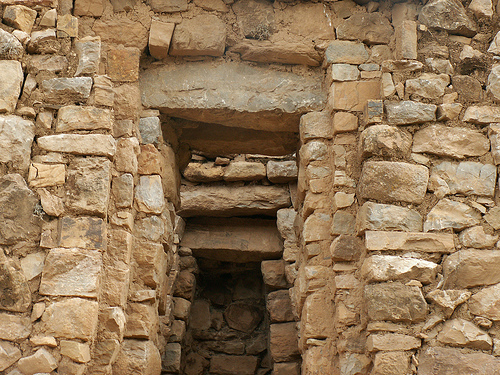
[{"x": 249, "y": 187}]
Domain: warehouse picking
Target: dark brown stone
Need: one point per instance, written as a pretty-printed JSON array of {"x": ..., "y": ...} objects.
[{"x": 242, "y": 316}]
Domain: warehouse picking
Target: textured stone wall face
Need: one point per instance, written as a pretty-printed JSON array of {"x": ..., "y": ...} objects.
[{"x": 386, "y": 258}]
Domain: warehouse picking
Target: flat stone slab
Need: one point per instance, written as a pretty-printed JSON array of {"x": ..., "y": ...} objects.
[
  {"x": 89, "y": 144},
  {"x": 233, "y": 201},
  {"x": 448, "y": 361},
  {"x": 387, "y": 217},
  {"x": 379, "y": 268},
  {"x": 74, "y": 117},
  {"x": 409, "y": 241},
  {"x": 470, "y": 268},
  {"x": 234, "y": 240},
  {"x": 227, "y": 94}
]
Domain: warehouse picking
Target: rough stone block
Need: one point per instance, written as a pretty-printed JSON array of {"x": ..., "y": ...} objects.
[
  {"x": 88, "y": 186},
  {"x": 149, "y": 194},
  {"x": 15, "y": 294},
  {"x": 67, "y": 26},
  {"x": 92, "y": 8},
  {"x": 370, "y": 28},
  {"x": 273, "y": 273},
  {"x": 391, "y": 363},
  {"x": 344, "y": 122},
  {"x": 74, "y": 117},
  {"x": 428, "y": 85},
  {"x": 279, "y": 172},
  {"x": 171, "y": 358},
  {"x": 66, "y": 90},
  {"x": 387, "y": 217},
  {"x": 168, "y": 6},
  {"x": 10, "y": 47},
  {"x": 142, "y": 321},
  {"x": 43, "y": 175},
  {"x": 150, "y": 130},
  {"x": 77, "y": 351},
  {"x": 470, "y": 268},
  {"x": 343, "y": 223},
  {"x": 450, "y": 214},
  {"x": 386, "y": 141},
  {"x": 72, "y": 318},
  {"x": 393, "y": 181},
  {"x": 16, "y": 137},
  {"x": 11, "y": 76},
  {"x": 14, "y": 327},
  {"x": 138, "y": 356},
  {"x": 409, "y": 241},
  {"x": 244, "y": 171},
  {"x": 317, "y": 227},
  {"x": 395, "y": 302},
  {"x": 279, "y": 306},
  {"x": 460, "y": 332},
  {"x": 353, "y": 95},
  {"x": 447, "y": 15},
  {"x": 482, "y": 114},
  {"x": 315, "y": 125},
  {"x": 160, "y": 35},
  {"x": 409, "y": 112},
  {"x": 392, "y": 342},
  {"x": 317, "y": 316},
  {"x": 344, "y": 52},
  {"x": 343, "y": 72},
  {"x": 150, "y": 258},
  {"x": 283, "y": 342},
  {"x": 123, "y": 190},
  {"x": 82, "y": 232},
  {"x": 19, "y": 16},
  {"x": 406, "y": 40},
  {"x": 127, "y": 150},
  {"x": 346, "y": 248},
  {"x": 486, "y": 303},
  {"x": 88, "y": 50},
  {"x": 89, "y": 144},
  {"x": 9, "y": 354},
  {"x": 40, "y": 362},
  {"x": 233, "y": 364},
  {"x": 123, "y": 64},
  {"x": 378, "y": 268},
  {"x": 115, "y": 285}
]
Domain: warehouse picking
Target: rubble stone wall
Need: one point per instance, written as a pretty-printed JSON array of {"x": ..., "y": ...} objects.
[{"x": 389, "y": 233}]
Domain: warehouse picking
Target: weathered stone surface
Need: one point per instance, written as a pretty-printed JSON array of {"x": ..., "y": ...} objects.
[
  {"x": 317, "y": 316},
  {"x": 393, "y": 181},
  {"x": 9, "y": 354},
  {"x": 138, "y": 357},
  {"x": 282, "y": 52},
  {"x": 200, "y": 35},
  {"x": 77, "y": 351},
  {"x": 279, "y": 306},
  {"x": 67, "y": 26},
  {"x": 470, "y": 268},
  {"x": 460, "y": 332},
  {"x": 244, "y": 171},
  {"x": 482, "y": 8},
  {"x": 92, "y": 8},
  {"x": 171, "y": 359},
  {"x": 142, "y": 321},
  {"x": 344, "y": 52},
  {"x": 370, "y": 28},
  {"x": 448, "y": 300},
  {"x": 283, "y": 342},
  {"x": 255, "y": 18},
  {"x": 73, "y": 117},
  {"x": 428, "y": 85},
  {"x": 486, "y": 303},
  {"x": 82, "y": 232},
  {"x": 14, "y": 327},
  {"x": 168, "y": 5},
  {"x": 150, "y": 130},
  {"x": 17, "y": 204},
  {"x": 343, "y": 72},
  {"x": 450, "y": 214},
  {"x": 88, "y": 50},
  {"x": 16, "y": 137},
  {"x": 115, "y": 283},
  {"x": 450, "y": 141},
  {"x": 401, "y": 65},
  {"x": 448, "y": 361},
  {"x": 353, "y": 95},
  {"x": 391, "y": 363},
  {"x": 123, "y": 31},
  {"x": 387, "y": 217},
  {"x": 494, "y": 136},
  {"x": 343, "y": 223},
  {"x": 279, "y": 172},
  {"x": 409, "y": 112},
  {"x": 468, "y": 88},
  {"x": 447, "y": 15},
  {"x": 71, "y": 272},
  {"x": 395, "y": 302},
  {"x": 43, "y": 175},
  {"x": 225, "y": 239},
  {"x": 89, "y": 144},
  {"x": 11, "y": 76},
  {"x": 66, "y": 90},
  {"x": 15, "y": 294},
  {"x": 242, "y": 316},
  {"x": 476, "y": 237},
  {"x": 482, "y": 114},
  {"x": 149, "y": 194},
  {"x": 123, "y": 190},
  {"x": 273, "y": 273},
  {"x": 406, "y": 39},
  {"x": 378, "y": 268},
  {"x": 72, "y": 318},
  {"x": 286, "y": 368},
  {"x": 10, "y": 47},
  {"x": 225, "y": 94},
  {"x": 123, "y": 64},
  {"x": 32, "y": 265},
  {"x": 40, "y": 362},
  {"x": 392, "y": 342},
  {"x": 315, "y": 125},
  {"x": 493, "y": 86},
  {"x": 346, "y": 248},
  {"x": 493, "y": 217},
  {"x": 232, "y": 201},
  {"x": 317, "y": 227},
  {"x": 386, "y": 141},
  {"x": 160, "y": 35},
  {"x": 465, "y": 178},
  {"x": 19, "y": 16},
  {"x": 406, "y": 241},
  {"x": 203, "y": 172},
  {"x": 88, "y": 185},
  {"x": 233, "y": 364}
]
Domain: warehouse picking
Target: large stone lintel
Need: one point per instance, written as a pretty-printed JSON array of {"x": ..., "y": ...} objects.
[{"x": 410, "y": 241}]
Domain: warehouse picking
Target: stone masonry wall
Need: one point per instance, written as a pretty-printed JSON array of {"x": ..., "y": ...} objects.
[{"x": 395, "y": 207}]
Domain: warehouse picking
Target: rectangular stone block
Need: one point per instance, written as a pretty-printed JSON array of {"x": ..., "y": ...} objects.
[
  {"x": 448, "y": 361},
  {"x": 470, "y": 268},
  {"x": 115, "y": 285},
  {"x": 75, "y": 117},
  {"x": 43, "y": 175},
  {"x": 16, "y": 137},
  {"x": 89, "y": 144},
  {"x": 283, "y": 342},
  {"x": 72, "y": 318},
  {"x": 71, "y": 272},
  {"x": 119, "y": 246},
  {"x": 379, "y": 268},
  {"x": 353, "y": 95},
  {"x": 409, "y": 241},
  {"x": 393, "y": 181},
  {"x": 82, "y": 232},
  {"x": 388, "y": 217},
  {"x": 123, "y": 64},
  {"x": 392, "y": 342},
  {"x": 406, "y": 40},
  {"x": 88, "y": 186},
  {"x": 409, "y": 112},
  {"x": 233, "y": 364},
  {"x": 11, "y": 76},
  {"x": 66, "y": 90},
  {"x": 160, "y": 36},
  {"x": 14, "y": 327}
]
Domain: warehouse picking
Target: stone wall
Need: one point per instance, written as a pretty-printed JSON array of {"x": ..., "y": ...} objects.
[{"x": 391, "y": 242}]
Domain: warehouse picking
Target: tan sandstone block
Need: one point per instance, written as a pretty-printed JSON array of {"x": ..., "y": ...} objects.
[
  {"x": 77, "y": 351},
  {"x": 123, "y": 64},
  {"x": 160, "y": 36},
  {"x": 43, "y": 175}
]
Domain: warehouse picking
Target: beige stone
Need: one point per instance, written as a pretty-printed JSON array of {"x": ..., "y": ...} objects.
[
  {"x": 90, "y": 144},
  {"x": 386, "y": 217},
  {"x": 205, "y": 172},
  {"x": 127, "y": 150},
  {"x": 406, "y": 40},
  {"x": 273, "y": 273},
  {"x": 460, "y": 332},
  {"x": 317, "y": 316},
  {"x": 67, "y": 26},
  {"x": 392, "y": 342},
  {"x": 14, "y": 327},
  {"x": 450, "y": 141},
  {"x": 370, "y": 28},
  {"x": 135, "y": 355},
  {"x": 486, "y": 303},
  {"x": 123, "y": 64},
  {"x": 49, "y": 341},
  {"x": 19, "y": 16},
  {"x": 71, "y": 272},
  {"x": 353, "y": 95},
  {"x": 73, "y": 117},
  {"x": 482, "y": 114},
  {"x": 77, "y": 351},
  {"x": 379, "y": 268},
  {"x": 148, "y": 194},
  {"x": 201, "y": 35},
  {"x": 40, "y": 362},
  {"x": 44, "y": 175},
  {"x": 283, "y": 342},
  {"x": 409, "y": 241},
  {"x": 116, "y": 31},
  {"x": 279, "y": 172},
  {"x": 393, "y": 181},
  {"x": 151, "y": 260},
  {"x": 386, "y": 141},
  {"x": 142, "y": 321},
  {"x": 160, "y": 35},
  {"x": 16, "y": 137},
  {"x": 344, "y": 122},
  {"x": 92, "y": 8},
  {"x": 317, "y": 227},
  {"x": 451, "y": 214},
  {"x": 477, "y": 238},
  {"x": 279, "y": 306},
  {"x": 32, "y": 265},
  {"x": 448, "y": 300},
  {"x": 470, "y": 268},
  {"x": 9, "y": 354},
  {"x": 11, "y": 75},
  {"x": 494, "y": 136},
  {"x": 82, "y": 232},
  {"x": 428, "y": 85},
  {"x": 391, "y": 363},
  {"x": 72, "y": 318},
  {"x": 244, "y": 171},
  {"x": 315, "y": 125}
]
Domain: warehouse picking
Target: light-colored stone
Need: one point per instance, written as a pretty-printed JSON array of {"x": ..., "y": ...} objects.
[
  {"x": 482, "y": 114},
  {"x": 450, "y": 141},
  {"x": 495, "y": 45},
  {"x": 460, "y": 332},
  {"x": 448, "y": 300},
  {"x": 469, "y": 268},
  {"x": 477, "y": 238},
  {"x": 344, "y": 122},
  {"x": 391, "y": 342},
  {"x": 44, "y": 175},
  {"x": 409, "y": 241},
  {"x": 138, "y": 356},
  {"x": 451, "y": 214},
  {"x": 406, "y": 40},
  {"x": 82, "y": 232},
  {"x": 10, "y": 47},
  {"x": 469, "y": 178},
  {"x": 494, "y": 136},
  {"x": 14, "y": 327},
  {"x": 160, "y": 35},
  {"x": 66, "y": 90},
  {"x": 486, "y": 303},
  {"x": 391, "y": 363},
  {"x": 343, "y": 200},
  {"x": 436, "y": 360},
  {"x": 67, "y": 26},
  {"x": 15, "y": 294},
  {"x": 386, "y": 217},
  {"x": 428, "y": 85},
  {"x": 283, "y": 342},
  {"x": 401, "y": 66},
  {"x": 40, "y": 362},
  {"x": 315, "y": 125},
  {"x": 72, "y": 318},
  {"x": 395, "y": 302},
  {"x": 9, "y": 354},
  {"x": 92, "y": 8},
  {"x": 393, "y": 181},
  {"x": 344, "y": 52},
  {"x": 386, "y": 141},
  {"x": 32, "y": 265},
  {"x": 344, "y": 72},
  {"x": 409, "y": 112},
  {"x": 387, "y": 85},
  {"x": 88, "y": 50},
  {"x": 448, "y": 111},
  {"x": 378, "y": 268},
  {"x": 89, "y": 144},
  {"x": 71, "y": 272},
  {"x": 11, "y": 76},
  {"x": 73, "y": 117},
  {"x": 77, "y": 351},
  {"x": 353, "y": 95},
  {"x": 149, "y": 194},
  {"x": 279, "y": 172},
  {"x": 447, "y": 15},
  {"x": 19, "y": 16},
  {"x": 244, "y": 171},
  {"x": 220, "y": 94},
  {"x": 123, "y": 64},
  {"x": 370, "y": 28}
]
